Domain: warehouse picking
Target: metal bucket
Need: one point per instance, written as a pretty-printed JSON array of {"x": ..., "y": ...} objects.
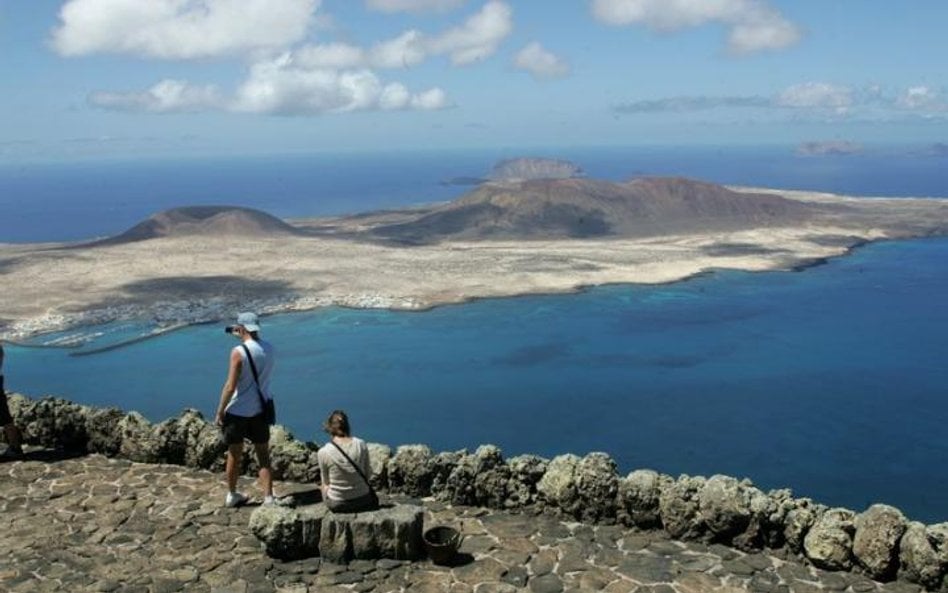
[{"x": 442, "y": 543}]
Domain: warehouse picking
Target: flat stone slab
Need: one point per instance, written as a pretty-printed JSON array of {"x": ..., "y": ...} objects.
[
  {"x": 289, "y": 533},
  {"x": 392, "y": 532},
  {"x": 97, "y": 524}
]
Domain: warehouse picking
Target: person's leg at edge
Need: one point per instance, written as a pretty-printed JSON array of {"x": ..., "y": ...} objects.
[
  {"x": 235, "y": 452},
  {"x": 14, "y": 438},
  {"x": 10, "y": 430},
  {"x": 265, "y": 474}
]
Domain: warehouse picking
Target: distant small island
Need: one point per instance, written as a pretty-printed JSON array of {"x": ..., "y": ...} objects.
[
  {"x": 523, "y": 169},
  {"x": 938, "y": 149},
  {"x": 527, "y": 169},
  {"x": 829, "y": 147},
  {"x": 506, "y": 237},
  {"x": 463, "y": 180}
]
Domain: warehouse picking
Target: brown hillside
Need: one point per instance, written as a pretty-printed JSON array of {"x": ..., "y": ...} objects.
[
  {"x": 209, "y": 221},
  {"x": 578, "y": 208}
]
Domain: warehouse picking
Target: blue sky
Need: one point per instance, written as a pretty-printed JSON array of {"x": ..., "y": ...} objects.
[{"x": 148, "y": 78}]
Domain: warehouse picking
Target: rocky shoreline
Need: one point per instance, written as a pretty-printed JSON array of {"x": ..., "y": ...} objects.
[{"x": 688, "y": 512}]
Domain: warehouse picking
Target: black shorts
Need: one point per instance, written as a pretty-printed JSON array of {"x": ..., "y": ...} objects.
[
  {"x": 5, "y": 417},
  {"x": 253, "y": 428},
  {"x": 367, "y": 502}
]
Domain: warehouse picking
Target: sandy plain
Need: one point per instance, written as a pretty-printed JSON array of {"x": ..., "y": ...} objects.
[{"x": 188, "y": 279}]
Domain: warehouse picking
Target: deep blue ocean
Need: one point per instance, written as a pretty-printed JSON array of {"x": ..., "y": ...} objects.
[{"x": 831, "y": 381}]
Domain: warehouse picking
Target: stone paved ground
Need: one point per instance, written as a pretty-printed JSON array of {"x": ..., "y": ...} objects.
[{"x": 98, "y": 524}]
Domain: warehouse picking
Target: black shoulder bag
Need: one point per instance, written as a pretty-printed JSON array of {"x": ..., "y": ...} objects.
[
  {"x": 374, "y": 496},
  {"x": 269, "y": 410}
]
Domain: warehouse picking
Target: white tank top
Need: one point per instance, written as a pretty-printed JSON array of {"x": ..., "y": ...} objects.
[{"x": 245, "y": 401}]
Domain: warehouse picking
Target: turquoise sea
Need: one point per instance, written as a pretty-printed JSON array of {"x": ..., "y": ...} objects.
[{"x": 831, "y": 381}]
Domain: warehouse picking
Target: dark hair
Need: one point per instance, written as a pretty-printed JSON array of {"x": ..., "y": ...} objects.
[{"x": 337, "y": 424}]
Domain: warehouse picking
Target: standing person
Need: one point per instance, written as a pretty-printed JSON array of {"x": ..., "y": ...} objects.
[
  {"x": 240, "y": 413},
  {"x": 14, "y": 438},
  {"x": 344, "y": 469}
]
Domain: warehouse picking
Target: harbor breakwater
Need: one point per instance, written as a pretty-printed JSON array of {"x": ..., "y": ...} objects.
[{"x": 879, "y": 542}]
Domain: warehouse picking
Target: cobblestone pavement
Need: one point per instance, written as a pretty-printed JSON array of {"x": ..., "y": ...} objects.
[{"x": 98, "y": 524}]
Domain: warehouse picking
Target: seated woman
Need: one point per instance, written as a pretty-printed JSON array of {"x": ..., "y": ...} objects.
[{"x": 344, "y": 469}]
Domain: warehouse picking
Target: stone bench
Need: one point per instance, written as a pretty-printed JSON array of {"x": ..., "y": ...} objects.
[{"x": 394, "y": 532}]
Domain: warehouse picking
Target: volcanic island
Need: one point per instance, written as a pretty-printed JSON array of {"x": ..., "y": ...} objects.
[{"x": 508, "y": 236}]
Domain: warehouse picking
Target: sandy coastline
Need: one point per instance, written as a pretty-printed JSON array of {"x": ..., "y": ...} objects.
[{"x": 172, "y": 281}]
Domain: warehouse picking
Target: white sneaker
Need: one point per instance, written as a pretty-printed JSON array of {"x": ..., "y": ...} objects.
[
  {"x": 286, "y": 501},
  {"x": 234, "y": 499}
]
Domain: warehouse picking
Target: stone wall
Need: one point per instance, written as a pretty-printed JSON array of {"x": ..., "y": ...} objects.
[{"x": 879, "y": 542}]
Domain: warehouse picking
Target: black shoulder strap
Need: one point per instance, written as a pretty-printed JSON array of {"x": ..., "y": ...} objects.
[
  {"x": 256, "y": 380},
  {"x": 349, "y": 459}
]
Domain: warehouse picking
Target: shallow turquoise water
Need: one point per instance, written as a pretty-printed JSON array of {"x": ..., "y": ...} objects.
[{"x": 831, "y": 381}]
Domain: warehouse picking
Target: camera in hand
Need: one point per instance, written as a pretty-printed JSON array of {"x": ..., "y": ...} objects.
[{"x": 230, "y": 329}]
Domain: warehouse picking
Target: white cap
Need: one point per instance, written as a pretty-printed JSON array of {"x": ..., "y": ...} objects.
[{"x": 249, "y": 321}]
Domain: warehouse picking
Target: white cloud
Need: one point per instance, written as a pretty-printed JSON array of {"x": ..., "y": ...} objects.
[
  {"x": 762, "y": 29},
  {"x": 430, "y": 100},
  {"x": 475, "y": 39},
  {"x": 309, "y": 79},
  {"x": 665, "y": 15},
  {"x": 165, "y": 97},
  {"x": 394, "y": 96},
  {"x": 753, "y": 24},
  {"x": 180, "y": 29},
  {"x": 540, "y": 63},
  {"x": 279, "y": 87},
  {"x": 816, "y": 95},
  {"x": 811, "y": 101},
  {"x": 408, "y": 49},
  {"x": 479, "y": 36},
  {"x": 276, "y": 87},
  {"x": 333, "y": 56},
  {"x": 921, "y": 98},
  {"x": 413, "y": 5}
]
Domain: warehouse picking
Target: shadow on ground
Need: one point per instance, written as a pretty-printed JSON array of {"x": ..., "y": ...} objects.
[
  {"x": 186, "y": 288},
  {"x": 48, "y": 455}
]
